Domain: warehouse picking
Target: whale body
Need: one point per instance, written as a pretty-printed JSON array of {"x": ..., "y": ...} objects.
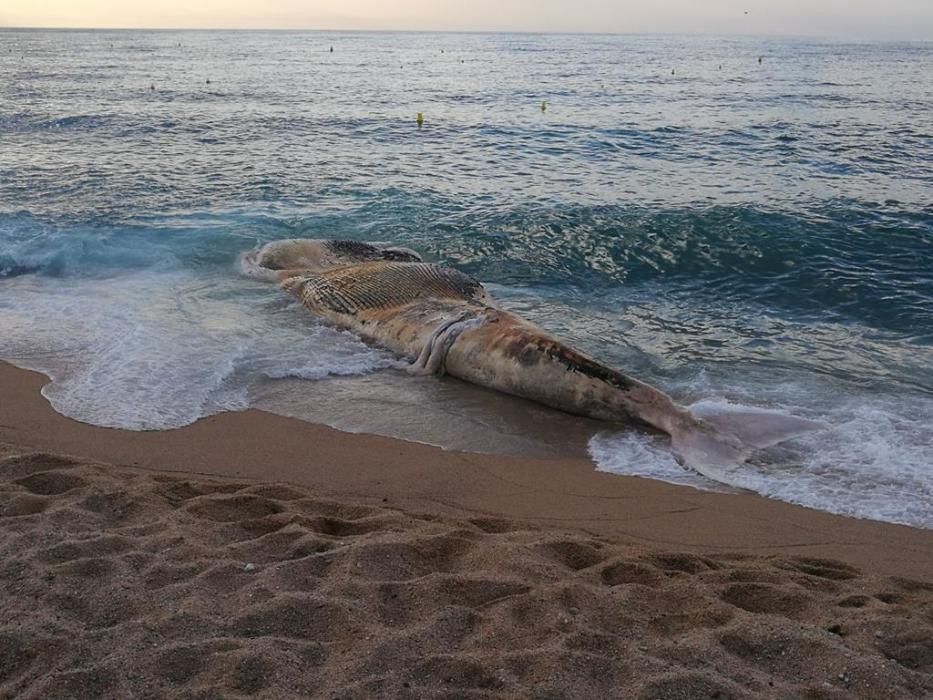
[{"x": 446, "y": 322}]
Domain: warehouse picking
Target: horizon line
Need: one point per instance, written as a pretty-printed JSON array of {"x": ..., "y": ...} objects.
[{"x": 836, "y": 37}]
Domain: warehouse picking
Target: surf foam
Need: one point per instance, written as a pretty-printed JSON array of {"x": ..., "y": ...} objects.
[
  {"x": 155, "y": 350},
  {"x": 872, "y": 461}
]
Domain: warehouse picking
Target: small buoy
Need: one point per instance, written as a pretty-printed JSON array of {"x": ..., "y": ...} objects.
[
  {"x": 419, "y": 119},
  {"x": 759, "y": 59},
  {"x": 331, "y": 49},
  {"x": 543, "y": 105},
  {"x": 207, "y": 82},
  {"x": 720, "y": 66},
  {"x": 672, "y": 71},
  {"x": 152, "y": 87}
]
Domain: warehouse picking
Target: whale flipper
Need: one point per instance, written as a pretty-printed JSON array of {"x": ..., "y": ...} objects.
[{"x": 431, "y": 359}]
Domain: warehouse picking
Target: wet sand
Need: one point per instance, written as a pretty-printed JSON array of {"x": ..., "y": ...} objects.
[{"x": 255, "y": 555}]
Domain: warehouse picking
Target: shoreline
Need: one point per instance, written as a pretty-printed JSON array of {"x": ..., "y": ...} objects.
[{"x": 545, "y": 492}]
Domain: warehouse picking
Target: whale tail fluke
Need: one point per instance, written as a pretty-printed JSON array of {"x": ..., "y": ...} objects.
[{"x": 721, "y": 439}]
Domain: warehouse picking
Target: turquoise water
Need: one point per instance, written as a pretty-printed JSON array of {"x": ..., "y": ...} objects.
[{"x": 728, "y": 230}]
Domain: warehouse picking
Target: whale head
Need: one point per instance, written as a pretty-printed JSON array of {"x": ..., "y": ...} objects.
[{"x": 274, "y": 260}]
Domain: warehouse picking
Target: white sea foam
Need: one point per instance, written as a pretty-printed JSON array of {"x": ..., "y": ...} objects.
[
  {"x": 160, "y": 350},
  {"x": 874, "y": 460}
]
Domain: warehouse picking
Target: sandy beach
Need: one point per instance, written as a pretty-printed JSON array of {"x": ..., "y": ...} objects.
[
  {"x": 264, "y": 453},
  {"x": 254, "y": 555}
]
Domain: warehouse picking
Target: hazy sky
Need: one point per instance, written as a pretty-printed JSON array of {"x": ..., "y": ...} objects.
[{"x": 907, "y": 19}]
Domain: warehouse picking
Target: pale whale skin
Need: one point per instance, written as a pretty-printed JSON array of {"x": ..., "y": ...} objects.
[
  {"x": 446, "y": 322},
  {"x": 503, "y": 352}
]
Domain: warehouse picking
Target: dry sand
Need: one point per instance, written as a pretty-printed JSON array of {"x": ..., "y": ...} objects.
[{"x": 329, "y": 565}]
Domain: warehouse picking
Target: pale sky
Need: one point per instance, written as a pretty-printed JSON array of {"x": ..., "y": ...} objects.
[{"x": 887, "y": 19}]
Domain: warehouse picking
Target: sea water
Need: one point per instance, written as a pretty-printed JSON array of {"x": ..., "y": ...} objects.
[{"x": 736, "y": 231}]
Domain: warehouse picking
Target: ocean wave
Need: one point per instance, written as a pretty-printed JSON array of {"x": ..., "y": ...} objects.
[{"x": 854, "y": 261}]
